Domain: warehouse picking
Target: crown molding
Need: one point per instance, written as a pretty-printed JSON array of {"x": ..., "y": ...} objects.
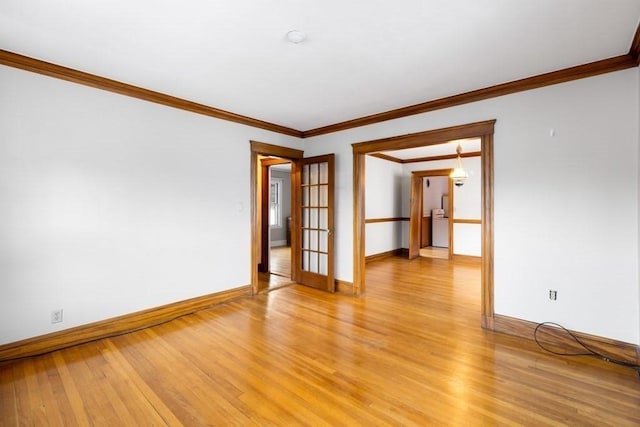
[
  {"x": 425, "y": 159},
  {"x": 617, "y": 63},
  {"x": 609, "y": 65},
  {"x": 57, "y": 71}
]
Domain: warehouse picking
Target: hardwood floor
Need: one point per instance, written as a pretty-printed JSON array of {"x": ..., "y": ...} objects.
[
  {"x": 434, "y": 252},
  {"x": 280, "y": 263},
  {"x": 411, "y": 352}
]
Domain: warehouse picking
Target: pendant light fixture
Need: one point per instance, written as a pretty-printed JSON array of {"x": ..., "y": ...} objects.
[{"x": 458, "y": 174}]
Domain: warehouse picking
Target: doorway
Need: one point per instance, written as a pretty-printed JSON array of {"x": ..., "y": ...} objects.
[
  {"x": 312, "y": 216},
  {"x": 482, "y": 130},
  {"x": 275, "y": 247},
  {"x": 431, "y": 218}
]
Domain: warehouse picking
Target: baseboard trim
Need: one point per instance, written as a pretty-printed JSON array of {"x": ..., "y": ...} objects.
[
  {"x": 116, "y": 325},
  {"x": 278, "y": 243},
  {"x": 383, "y": 255},
  {"x": 615, "y": 349},
  {"x": 343, "y": 287}
]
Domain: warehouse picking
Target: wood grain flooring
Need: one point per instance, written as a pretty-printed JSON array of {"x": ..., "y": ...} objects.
[
  {"x": 280, "y": 262},
  {"x": 410, "y": 352}
]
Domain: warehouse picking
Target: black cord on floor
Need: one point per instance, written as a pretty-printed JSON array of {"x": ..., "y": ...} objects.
[{"x": 588, "y": 350}]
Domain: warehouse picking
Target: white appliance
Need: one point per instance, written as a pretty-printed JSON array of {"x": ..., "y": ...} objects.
[{"x": 440, "y": 232}]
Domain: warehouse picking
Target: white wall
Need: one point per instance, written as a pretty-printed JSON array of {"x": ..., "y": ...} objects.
[
  {"x": 566, "y": 207},
  {"x": 111, "y": 205},
  {"x": 383, "y": 188},
  {"x": 432, "y": 194}
]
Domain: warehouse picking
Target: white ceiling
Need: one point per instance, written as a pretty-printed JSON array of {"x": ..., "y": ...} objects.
[
  {"x": 361, "y": 57},
  {"x": 467, "y": 145}
]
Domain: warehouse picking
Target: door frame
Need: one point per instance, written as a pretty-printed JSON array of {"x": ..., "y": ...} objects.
[
  {"x": 483, "y": 130},
  {"x": 416, "y": 209},
  {"x": 263, "y": 149}
]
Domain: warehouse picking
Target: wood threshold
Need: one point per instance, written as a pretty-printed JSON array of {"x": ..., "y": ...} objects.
[
  {"x": 591, "y": 69},
  {"x": 394, "y": 219},
  {"x": 627, "y": 352},
  {"x": 80, "y": 77},
  {"x": 116, "y": 325}
]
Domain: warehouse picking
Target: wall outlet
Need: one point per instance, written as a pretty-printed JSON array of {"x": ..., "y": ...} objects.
[
  {"x": 553, "y": 295},
  {"x": 56, "y": 316}
]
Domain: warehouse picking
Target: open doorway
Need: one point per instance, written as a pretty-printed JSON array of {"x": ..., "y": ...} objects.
[
  {"x": 482, "y": 130},
  {"x": 312, "y": 217},
  {"x": 431, "y": 217},
  {"x": 274, "y": 267},
  {"x": 278, "y": 226}
]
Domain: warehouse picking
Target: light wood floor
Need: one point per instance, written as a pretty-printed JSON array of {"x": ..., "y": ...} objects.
[
  {"x": 410, "y": 352},
  {"x": 280, "y": 261},
  {"x": 434, "y": 252}
]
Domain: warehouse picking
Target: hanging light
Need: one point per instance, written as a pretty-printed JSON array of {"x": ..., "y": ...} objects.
[{"x": 458, "y": 174}]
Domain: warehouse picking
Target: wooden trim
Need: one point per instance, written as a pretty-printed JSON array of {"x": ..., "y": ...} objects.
[
  {"x": 467, "y": 221},
  {"x": 263, "y": 149},
  {"x": 487, "y": 300},
  {"x": 80, "y": 77},
  {"x": 484, "y": 130},
  {"x": 265, "y": 244},
  {"x": 442, "y": 157},
  {"x": 375, "y": 220},
  {"x": 359, "y": 187},
  {"x": 603, "y": 66},
  {"x": 425, "y": 159},
  {"x": 387, "y": 157},
  {"x": 591, "y": 69},
  {"x": 268, "y": 161},
  {"x": 343, "y": 287},
  {"x": 432, "y": 172},
  {"x": 634, "y": 50},
  {"x": 275, "y": 150},
  {"x": 421, "y": 139},
  {"x": 415, "y": 216},
  {"x": 117, "y": 325},
  {"x": 524, "y": 329},
  {"x": 383, "y": 255}
]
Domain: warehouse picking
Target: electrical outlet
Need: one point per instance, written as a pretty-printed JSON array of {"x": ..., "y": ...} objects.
[
  {"x": 56, "y": 316},
  {"x": 553, "y": 295}
]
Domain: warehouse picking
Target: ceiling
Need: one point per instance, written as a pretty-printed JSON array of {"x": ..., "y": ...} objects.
[
  {"x": 361, "y": 57},
  {"x": 448, "y": 148}
]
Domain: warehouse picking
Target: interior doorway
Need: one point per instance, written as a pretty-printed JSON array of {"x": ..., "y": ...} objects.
[
  {"x": 276, "y": 217},
  {"x": 482, "y": 130},
  {"x": 431, "y": 218},
  {"x": 312, "y": 216}
]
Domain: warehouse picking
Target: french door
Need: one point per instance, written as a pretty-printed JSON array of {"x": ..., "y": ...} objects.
[{"x": 315, "y": 260}]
